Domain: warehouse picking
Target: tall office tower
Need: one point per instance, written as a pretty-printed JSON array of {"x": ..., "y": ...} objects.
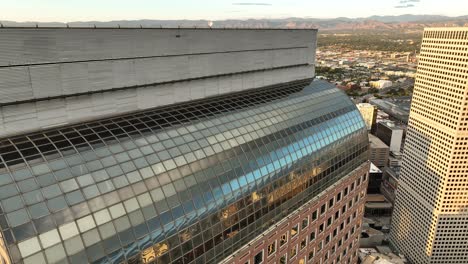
[
  {"x": 175, "y": 146},
  {"x": 430, "y": 217}
]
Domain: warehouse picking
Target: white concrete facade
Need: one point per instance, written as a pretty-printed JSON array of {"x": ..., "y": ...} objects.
[
  {"x": 57, "y": 76},
  {"x": 397, "y": 140}
]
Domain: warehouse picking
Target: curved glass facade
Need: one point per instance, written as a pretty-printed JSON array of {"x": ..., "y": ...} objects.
[{"x": 187, "y": 183}]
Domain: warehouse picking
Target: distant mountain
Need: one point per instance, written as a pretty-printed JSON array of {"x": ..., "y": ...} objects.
[
  {"x": 410, "y": 18},
  {"x": 411, "y": 22}
]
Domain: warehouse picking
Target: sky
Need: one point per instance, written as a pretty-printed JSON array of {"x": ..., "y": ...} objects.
[{"x": 107, "y": 10}]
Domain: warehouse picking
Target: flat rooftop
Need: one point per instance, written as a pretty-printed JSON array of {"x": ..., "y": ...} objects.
[
  {"x": 376, "y": 143},
  {"x": 398, "y": 108},
  {"x": 446, "y": 29},
  {"x": 374, "y": 205},
  {"x": 374, "y": 169},
  {"x": 376, "y": 198},
  {"x": 5, "y": 25},
  {"x": 393, "y": 171},
  {"x": 391, "y": 125}
]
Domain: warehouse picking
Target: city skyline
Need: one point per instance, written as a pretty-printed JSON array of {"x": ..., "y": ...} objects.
[
  {"x": 87, "y": 10},
  {"x": 234, "y": 132}
]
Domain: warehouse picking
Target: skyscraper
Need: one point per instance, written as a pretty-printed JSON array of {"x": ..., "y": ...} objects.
[
  {"x": 175, "y": 146},
  {"x": 430, "y": 219}
]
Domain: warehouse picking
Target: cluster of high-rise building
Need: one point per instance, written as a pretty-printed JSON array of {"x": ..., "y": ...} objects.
[{"x": 217, "y": 146}]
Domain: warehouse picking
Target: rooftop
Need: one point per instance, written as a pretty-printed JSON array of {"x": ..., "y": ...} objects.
[
  {"x": 117, "y": 26},
  {"x": 393, "y": 171},
  {"x": 375, "y": 198},
  {"x": 374, "y": 169},
  {"x": 381, "y": 255},
  {"x": 392, "y": 125},
  {"x": 364, "y": 105},
  {"x": 376, "y": 143},
  {"x": 377, "y": 205},
  {"x": 398, "y": 108},
  {"x": 446, "y": 29}
]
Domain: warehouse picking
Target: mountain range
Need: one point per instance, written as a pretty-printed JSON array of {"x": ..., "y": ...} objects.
[{"x": 402, "y": 22}]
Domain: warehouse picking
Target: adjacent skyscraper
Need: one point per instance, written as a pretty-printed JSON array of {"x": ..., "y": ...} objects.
[
  {"x": 430, "y": 219},
  {"x": 175, "y": 146}
]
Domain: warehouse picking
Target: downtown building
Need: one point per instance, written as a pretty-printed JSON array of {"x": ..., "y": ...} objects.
[
  {"x": 369, "y": 114},
  {"x": 430, "y": 219},
  {"x": 175, "y": 146}
]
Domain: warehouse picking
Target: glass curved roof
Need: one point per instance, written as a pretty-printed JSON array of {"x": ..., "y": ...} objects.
[{"x": 156, "y": 185}]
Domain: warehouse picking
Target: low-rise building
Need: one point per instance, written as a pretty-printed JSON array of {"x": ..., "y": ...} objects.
[
  {"x": 395, "y": 158},
  {"x": 397, "y": 108},
  {"x": 380, "y": 84},
  {"x": 389, "y": 184},
  {"x": 375, "y": 180},
  {"x": 369, "y": 114},
  {"x": 371, "y": 237},
  {"x": 379, "y": 151},
  {"x": 391, "y": 134},
  {"x": 377, "y": 206},
  {"x": 380, "y": 255}
]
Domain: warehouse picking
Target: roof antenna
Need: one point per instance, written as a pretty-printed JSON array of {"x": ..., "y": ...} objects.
[{"x": 37, "y": 25}]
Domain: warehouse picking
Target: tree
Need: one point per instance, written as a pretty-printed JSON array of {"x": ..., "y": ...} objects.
[{"x": 373, "y": 90}]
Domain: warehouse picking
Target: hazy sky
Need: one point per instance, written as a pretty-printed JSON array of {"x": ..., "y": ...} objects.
[{"x": 105, "y": 10}]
